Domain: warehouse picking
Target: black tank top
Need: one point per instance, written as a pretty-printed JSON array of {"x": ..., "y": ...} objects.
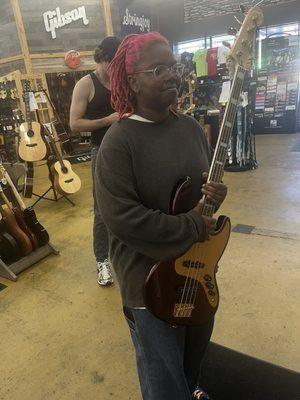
[{"x": 98, "y": 107}]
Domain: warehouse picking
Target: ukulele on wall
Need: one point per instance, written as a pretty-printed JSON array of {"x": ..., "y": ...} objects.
[
  {"x": 65, "y": 180},
  {"x": 31, "y": 146},
  {"x": 184, "y": 291}
]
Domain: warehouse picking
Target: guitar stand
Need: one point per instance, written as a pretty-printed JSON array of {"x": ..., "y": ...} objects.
[
  {"x": 55, "y": 194},
  {"x": 10, "y": 271}
]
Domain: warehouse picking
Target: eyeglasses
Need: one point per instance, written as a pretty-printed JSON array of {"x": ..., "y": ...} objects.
[{"x": 161, "y": 70}]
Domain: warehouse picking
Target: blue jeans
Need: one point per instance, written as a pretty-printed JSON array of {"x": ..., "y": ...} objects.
[
  {"x": 168, "y": 358},
  {"x": 100, "y": 235}
]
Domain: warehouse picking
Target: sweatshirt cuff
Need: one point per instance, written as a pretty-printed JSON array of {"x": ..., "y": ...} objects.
[{"x": 199, "y": 225}]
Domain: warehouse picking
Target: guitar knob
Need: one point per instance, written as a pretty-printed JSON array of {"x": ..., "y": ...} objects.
[
  {"x": 207, "y": 278},
  {"x": 211, "y": 293},
  {"x": 209, "y": 285}
]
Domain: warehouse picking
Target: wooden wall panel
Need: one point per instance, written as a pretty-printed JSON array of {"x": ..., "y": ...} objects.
[{"x": 9, "y": 41}]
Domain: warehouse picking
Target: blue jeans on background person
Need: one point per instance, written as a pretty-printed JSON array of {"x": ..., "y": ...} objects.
[
  {"x": 100, "y": 234},
  {"x": 168, "y": 358}
]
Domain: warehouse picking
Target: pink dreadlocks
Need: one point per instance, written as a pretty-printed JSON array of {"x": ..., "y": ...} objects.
[{"x": 123, "y": 64}]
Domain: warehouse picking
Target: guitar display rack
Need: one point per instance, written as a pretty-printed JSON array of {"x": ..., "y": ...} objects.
[
  {"x": 56, "y": 196},
  {"x": 11, "y": 271}
]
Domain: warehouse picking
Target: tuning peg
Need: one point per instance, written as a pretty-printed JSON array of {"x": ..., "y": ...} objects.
[
  {"x": 232, "y": 31},
  {"x": 243, "y": 9}
]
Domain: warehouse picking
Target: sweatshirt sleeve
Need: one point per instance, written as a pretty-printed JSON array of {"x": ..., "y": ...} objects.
[{"x": 152, "y": 233}]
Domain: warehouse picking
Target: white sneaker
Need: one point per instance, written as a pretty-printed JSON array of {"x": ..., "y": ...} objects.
[{"x": 104, "y": 273}]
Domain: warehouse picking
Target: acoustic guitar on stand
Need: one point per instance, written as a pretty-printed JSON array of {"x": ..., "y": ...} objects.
[
  {"x": 65, "y": 180},
  {"x": 184, "y": 291},
  {"x": 31, "y": 146}
]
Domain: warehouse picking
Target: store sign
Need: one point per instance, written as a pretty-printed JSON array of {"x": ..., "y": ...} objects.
[
  {"x": 135, "y": 17},
  {"x": 136, "y": 22},
  {"x": 54, "y": 19}
]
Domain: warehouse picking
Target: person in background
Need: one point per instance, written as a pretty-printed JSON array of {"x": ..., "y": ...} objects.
[
  {"x": 139, "y": 163},
  {"x": 91, "y": 111}
]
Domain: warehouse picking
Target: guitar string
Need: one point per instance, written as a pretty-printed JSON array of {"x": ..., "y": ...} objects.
[
  {"x": 188, "y": 293},
  {"x": 196, "y": 276},
  {"x": 219, "y": 171},
  {"x": 218, "y": 175}
]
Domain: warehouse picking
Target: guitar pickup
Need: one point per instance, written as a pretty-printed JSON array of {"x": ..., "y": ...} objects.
[{"x": 31, "y": 145}]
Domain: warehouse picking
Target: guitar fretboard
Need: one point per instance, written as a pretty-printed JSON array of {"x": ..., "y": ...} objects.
[
  {"x": 27, "y": 108},
  {"x": 217, "y": 167}
]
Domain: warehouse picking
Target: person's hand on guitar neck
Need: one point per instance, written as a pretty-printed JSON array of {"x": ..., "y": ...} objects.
[{"x": 215, "y": 193}]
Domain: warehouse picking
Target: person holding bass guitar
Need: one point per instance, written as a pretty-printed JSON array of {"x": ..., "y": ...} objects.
[
  {"x": 141, "y": 159},
  {"x": 91, "y": 111}
]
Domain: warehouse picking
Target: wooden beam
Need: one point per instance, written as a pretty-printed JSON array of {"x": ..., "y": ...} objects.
[
  {"x": 107, "y": 17},
  {"x": 22, "y": 36},
  {"x": 10, "y": 76},
  {"x": 7, "y": 60},
  {"x": 58, "y": 55}
]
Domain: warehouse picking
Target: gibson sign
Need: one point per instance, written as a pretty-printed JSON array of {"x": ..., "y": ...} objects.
[{"x": 54, "y": 19}]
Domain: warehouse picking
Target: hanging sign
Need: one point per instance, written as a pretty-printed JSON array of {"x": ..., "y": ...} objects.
[
  {"x": 54, "y": 19},
  {"x": 135, "y": 18}
]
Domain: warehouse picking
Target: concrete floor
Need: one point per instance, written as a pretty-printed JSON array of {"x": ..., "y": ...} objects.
[{"x": 63, "y": 337}]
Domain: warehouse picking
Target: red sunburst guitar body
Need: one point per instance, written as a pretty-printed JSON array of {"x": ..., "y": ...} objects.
[{"x": 184, "y": 291}]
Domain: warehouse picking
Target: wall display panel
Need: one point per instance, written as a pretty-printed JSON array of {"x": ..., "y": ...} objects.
[
  {"x": 8, "y": 29},
  {"x": 196, "y": 10},
  {"x": 60, "y": 26}
]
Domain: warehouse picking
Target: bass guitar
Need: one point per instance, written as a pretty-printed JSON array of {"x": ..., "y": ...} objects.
[
  {"x": 65, "y": 180},
  {"x": 184, "y": 291},
  {"x": 29, "y": 215},
  {"x": 31, "y": 146}
]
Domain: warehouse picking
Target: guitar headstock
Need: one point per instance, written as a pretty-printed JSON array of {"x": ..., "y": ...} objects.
[{"x": 242, "y": 51}]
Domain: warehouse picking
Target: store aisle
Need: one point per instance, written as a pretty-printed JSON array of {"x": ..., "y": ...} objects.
[{"x": 63, "y": 337}]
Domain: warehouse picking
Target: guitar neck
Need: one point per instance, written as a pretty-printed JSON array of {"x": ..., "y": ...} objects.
[
  {"x": 54, "y": 148},
  {"x": 218, "y": 163},
  {"x": 27, "y": 109},
  {"x": 16, "y": 193},
  {"x": 5, "y": 199}
]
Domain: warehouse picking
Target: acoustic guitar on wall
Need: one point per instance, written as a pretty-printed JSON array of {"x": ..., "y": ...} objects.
[{"x": 31, "y": 145}]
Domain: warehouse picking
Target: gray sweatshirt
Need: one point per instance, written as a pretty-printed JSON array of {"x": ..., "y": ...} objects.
[{"x": 138, "y": 166}]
